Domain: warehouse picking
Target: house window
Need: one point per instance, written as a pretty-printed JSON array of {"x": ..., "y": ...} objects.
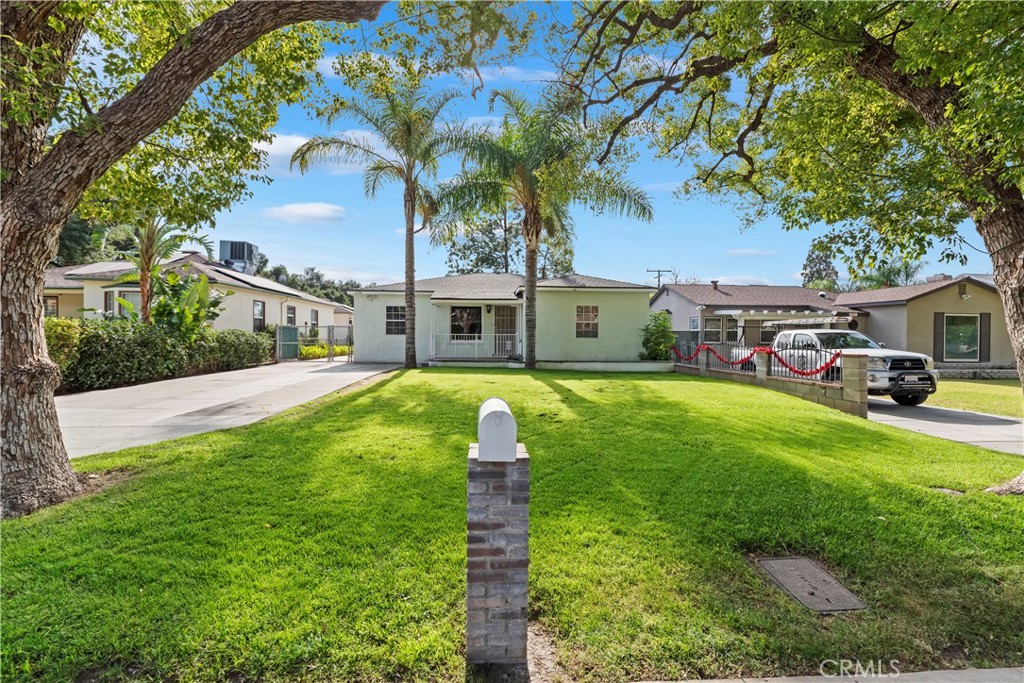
[
  {"x": 132, "y": 297},
  {"x": 712, "y": 330},
  {"x": 767, "y": 335},
  {"x": 394, "y": 320},
  {"x": 466, "y": 323},
  {"x": 314, "y": 318},
  {"x": 289, "y": 315},
  {"x": 731, "y": 330},
  {"x": 108, "y": 302},
  {"x": 50, "y": 306},
  {"x": 586, "y": 322},
  {"x": 694, "y": 324},
  {"x": 961, "y": 337},
  {"x": 259, "y": 316}
]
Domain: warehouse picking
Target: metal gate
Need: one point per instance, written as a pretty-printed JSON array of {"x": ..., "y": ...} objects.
[{"x": 287, "y": 342}]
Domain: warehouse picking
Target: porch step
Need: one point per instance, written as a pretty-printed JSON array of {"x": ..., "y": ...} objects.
[{"x": 976, "y": 371}]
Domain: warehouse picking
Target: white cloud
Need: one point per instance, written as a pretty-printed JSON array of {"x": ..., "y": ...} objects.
[
  {"x": 751, "y": 252},
  {"x": 516, "y": 73},
  {"x": 309, "y": 212},
  {"x": 325, "y": 65},
  {"x": 280, "y": 149}
]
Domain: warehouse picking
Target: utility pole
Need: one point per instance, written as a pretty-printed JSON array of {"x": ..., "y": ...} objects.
[{"x": 659, "y": 271}]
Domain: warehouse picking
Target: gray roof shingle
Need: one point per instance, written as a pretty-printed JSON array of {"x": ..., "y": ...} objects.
[
  {"x": 897, "y": 295},
  {"x": 760, "y": 297},
  {"x": 497, "y": 286},
  {"x": 54, "y": 278}
]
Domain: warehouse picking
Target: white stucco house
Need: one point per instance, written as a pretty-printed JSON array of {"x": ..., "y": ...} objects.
[
  {"x": 582, "y": 322},
  {"x": 92, "y": 290}
]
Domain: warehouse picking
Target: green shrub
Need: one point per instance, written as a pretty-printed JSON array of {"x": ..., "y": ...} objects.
[
  {"x": 113, "y": 353},
  {"x": 237, "y": 349},
  {"x": 320, "y": 351},
  {"x": 658, "y": 337},
  {"x": 62, "y": 338}
]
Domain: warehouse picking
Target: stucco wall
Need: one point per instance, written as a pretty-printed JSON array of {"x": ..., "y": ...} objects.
[
  {"x": 681, "y": 308},
  {"x": 68, "y": 302},
  {"x": 921, "y": 324},
  {"x": 621, "y": 314},
  {"x": 888, "y": 324},
  {"x": 372, "y": 345},
  {"x": 237, "y": 308}
]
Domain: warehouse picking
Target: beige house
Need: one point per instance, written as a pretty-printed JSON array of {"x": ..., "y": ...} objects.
[
  {"x": 954, "y": 320},
  {"x": 342, "y": 315},
  {"x": 582, "y": 321},
  {"x": 93, "y": 290}
]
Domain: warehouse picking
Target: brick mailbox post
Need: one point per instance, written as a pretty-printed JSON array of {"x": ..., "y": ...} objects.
[{"x": 497, "y": 549}]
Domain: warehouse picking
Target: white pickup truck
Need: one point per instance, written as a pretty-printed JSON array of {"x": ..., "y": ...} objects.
[{"x": 908, "y": 378}]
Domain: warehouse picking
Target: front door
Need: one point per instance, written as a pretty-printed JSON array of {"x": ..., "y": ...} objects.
[{"x": 505, "y": 342}]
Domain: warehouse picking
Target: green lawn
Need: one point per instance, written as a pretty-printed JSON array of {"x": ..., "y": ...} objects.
[
  {"x": 328, "y": 543},
  {"x": 993, "y": 396}
]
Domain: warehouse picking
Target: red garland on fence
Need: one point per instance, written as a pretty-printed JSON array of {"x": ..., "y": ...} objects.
[{"x": 771, "y": 352}]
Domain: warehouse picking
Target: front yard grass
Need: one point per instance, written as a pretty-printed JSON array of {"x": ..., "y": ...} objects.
[
  {"x": 328, "y": 543},
  {"x": 992, "y": 396}
]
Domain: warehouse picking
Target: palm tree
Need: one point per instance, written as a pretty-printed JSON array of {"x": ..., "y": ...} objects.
[
  {"x": 540, "y": 162},
  {"x": 886, "y": 274},
  {"x": 153, "y": 242},
  {"x": 409, "y": 145}
]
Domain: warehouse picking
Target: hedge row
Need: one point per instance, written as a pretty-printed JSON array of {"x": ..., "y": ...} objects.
[
  {"x": 315, "y": 351},
  {"x": 100, "y": 354}
]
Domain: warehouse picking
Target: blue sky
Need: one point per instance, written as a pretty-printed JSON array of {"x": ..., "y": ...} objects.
[{"x": 322, "y": 218}]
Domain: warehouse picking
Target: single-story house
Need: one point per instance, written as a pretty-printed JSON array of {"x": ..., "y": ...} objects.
[
  {"x": 481, "y": 317},
  {"x": 92, "y": 290},
  {"x": 952, "y": 319},
  {"x": 342, "y": 315},
  {"x": 751, "y": 314}
]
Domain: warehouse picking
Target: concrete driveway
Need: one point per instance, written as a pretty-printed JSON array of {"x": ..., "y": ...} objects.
[
  {"x": 112, "y": 419},
  {"x": 978, "y": 429}
]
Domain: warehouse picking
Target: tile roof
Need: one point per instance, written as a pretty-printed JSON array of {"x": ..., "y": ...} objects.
[
  {"x": 895, "y": 295},
  {"x": 55, "y": 279},
  {"x": 759, "y": 297},
  {"x": 497, "y": 286}
]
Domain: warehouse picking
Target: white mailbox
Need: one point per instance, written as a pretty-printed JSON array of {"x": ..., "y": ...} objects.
[{"x": 496, "y": 430}]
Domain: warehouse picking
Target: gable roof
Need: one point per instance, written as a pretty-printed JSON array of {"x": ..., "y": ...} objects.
[
  {"x": 497, "y": 286},
  {"x": 342, "y": 308},
  {"x": 898, "y": 295},
  {"x": 759, "y": 297},
  {"x": 195, "y": 262},
  {"x": 54, "y": 278}
]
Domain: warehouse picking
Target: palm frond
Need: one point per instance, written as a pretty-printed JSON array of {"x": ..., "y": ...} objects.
[
  {"x": 344, "y": 148},
  {"x": 603, "y": 191}
]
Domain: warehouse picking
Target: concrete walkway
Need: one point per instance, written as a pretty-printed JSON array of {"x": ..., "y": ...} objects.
[
  {"x": 112, "y": 419},
  {"x": 978, "y": 429},
  {"x": 948, "y": 676}
]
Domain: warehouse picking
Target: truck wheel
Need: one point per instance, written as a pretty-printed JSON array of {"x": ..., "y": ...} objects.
[{"x": 910, "y": 399}]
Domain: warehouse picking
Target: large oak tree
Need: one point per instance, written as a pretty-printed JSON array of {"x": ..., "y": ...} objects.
[
  {"x": 45, "y": 178},
  {"x": 890, "y": 122}
]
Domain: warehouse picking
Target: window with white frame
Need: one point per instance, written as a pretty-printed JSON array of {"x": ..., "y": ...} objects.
[
  {"x": 767, "y": 335},
  {"x": 394, "y": 320},
  {"x": 259, "y": 316},
  {"x": 134, "y": 297},
  {"x": 731, "y": 330},
  {"x": 466, "y": 323},
  {"x": 50, "y": 306},
  {"x": 961, "y": 337},
  {"x": 712, "y": 330},
  {"x": 108, "y": 302},
  {"x": 695, "y": 323},
  {"x": 314, "y": 318},
  {"x": 586, "y": 322},
  {"x": 289, "y": 315}
]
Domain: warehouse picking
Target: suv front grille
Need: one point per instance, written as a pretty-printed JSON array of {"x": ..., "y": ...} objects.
[{"x": 906, "y": 364}]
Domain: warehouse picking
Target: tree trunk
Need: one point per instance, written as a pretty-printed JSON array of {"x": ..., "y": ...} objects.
[
  {"x": 410, "y": 275},
  {"x": 145, "y": 287},
  {"x": 531, "y": 236},
  {"x": 41, "y": 191}
]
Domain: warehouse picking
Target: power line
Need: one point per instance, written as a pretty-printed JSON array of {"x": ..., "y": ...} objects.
[{"x": 659, "y": 271}]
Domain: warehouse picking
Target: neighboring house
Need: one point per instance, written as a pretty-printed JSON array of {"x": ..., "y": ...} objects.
[
  {"x": 255, "y": 303},
  {"x": 953, "y": 320},
  {"x": 481, "y": 317},
  {"x": 342, "y": 315},
  {"x": 751, "y": 314},
  {"x": 62, "y": 297}
]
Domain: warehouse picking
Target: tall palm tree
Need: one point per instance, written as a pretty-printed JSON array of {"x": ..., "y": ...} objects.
[
  {"x": 409, "y": 144},
  {"x": 153, "y": 242},
  {"x": 540, "y": 162},
  {"x": 886, "y": 274}
]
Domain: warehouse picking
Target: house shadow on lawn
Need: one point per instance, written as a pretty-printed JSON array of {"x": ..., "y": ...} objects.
[{"x": 330, "y": 542}]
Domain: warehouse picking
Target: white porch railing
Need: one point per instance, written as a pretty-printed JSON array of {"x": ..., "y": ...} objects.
[{"x": 475, "y": 346}]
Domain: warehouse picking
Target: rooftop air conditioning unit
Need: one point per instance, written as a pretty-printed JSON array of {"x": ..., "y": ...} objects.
[{"x": 240, "y": 256}]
